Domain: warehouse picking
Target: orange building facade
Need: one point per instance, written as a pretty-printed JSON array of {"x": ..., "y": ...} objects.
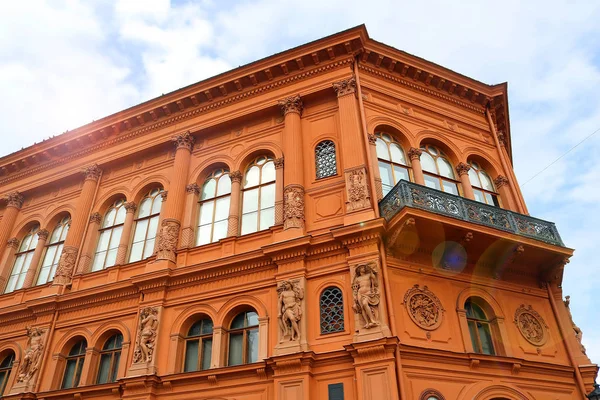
[{"x": 337, "y": 221}]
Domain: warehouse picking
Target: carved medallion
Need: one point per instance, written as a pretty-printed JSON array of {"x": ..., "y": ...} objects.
[
  {"x": 424, "y": 307},
  {"x": 531, "y": 325}
]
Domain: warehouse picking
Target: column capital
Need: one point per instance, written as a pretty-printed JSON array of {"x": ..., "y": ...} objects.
[
  {"x": 500, "y": 181},
  {"x": 346, "y": 86},
  {"x": 372, "y": 138},
  {"x": 462, "y": 168},
  {"x": 43, "y": 234},
  {"x": 192, "y": 188},
  {"x": 501, "y": 138},
  {"x": 13, "y": 243},
  {"x": 14, "y": 199},
  {"x": 164, "y": 195},
  {"x": 235, "y": 176},
  {"x": 130, "y": 207},
  {"x": 414, "y": 153},
  {"x": 292, "y": 104},
  {"x": 184, "y": 140},
  {"x": 278, "y": 162},
  {"x": 92, "y": 172},
  {"x": 96, "y": 217}
]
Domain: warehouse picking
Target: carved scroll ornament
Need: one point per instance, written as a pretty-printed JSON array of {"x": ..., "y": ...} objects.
[
  {"x": 365, "y": 290},
  {"x": 531, "y": 325},
  {"x": 33, "y": 355},
  {"x": 289, "y": 304},
  {"x": 293, "y": 207},
  {"x": 424, "y": 307},
  {"x": 146, "y": 337}
]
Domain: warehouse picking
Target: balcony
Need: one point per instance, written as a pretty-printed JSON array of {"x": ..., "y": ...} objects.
[{"x": 407, "y": 194}]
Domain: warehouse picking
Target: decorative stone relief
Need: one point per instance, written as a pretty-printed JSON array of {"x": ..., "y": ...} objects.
[
  {"x": 424, "y": 307},
  {"x": 13, "y": 243},
  {"x": 346, "y": 86},
  {"x": 43, "y": 234},
  {"x": 130, "y": 207},
  {"x": 167, "y": 239},
  {"x": 292, "y": 104},
  {"x": 192, "y": 188},
  {"x": 14, "y": 199},
  {"x": 289, "y": 304},
  {"x": 500, "y": 181},
  {"x": 33, "y": 355},
  {"x": 96, "y": 217},
  {"x": 531, "y": 325},
  {"x": 293, "y": 207},
  {"x": 365, "y": 290},
  {"x": 372, "y": 139},
  {"x": 146, "y": 337},
  {"x": 357, "y": 190},
  {"x": 92, "y": 172},
  {"x": 235, "y": 176},
  {"x": 278, "y": 162},
  {"x": 576, "y": 329},
  {"x": 462, "y": 168},
  {"x": 66, "y": 265},
  {"x": 184, "y": 140},
  {"x": 414, "y": 153}
]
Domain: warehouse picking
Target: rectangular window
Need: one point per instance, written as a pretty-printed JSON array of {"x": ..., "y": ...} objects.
[{"x": 335, "y": 391}]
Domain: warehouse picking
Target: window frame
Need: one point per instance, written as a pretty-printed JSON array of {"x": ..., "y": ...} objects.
[
  {"x": 382, "y": 137},
  {"x": 477, "y": 322},
  {"x": 440, "y": 178},
  {"x": 244, "y": 330},
  {"x": 217, "y": 175},
  {"x": 64, "y": 224},
  {"x": 260, "y": 186},
  {"x": 79, "y": 361},
  {"x": 26, "y": 265},
  {"x": 200, "y": 338},
  {"x": 156, "y": 197},
  {"x": 116, "y": 205},
  {"x": 5, "y": 370},
  {"x": 321, "y": 153},
  {"x": 341, "y": 312},
  {"x": 477, "y": 170},
  {"x": 115, "y": 359}
]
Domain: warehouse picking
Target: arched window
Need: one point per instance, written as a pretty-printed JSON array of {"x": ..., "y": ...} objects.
[
  {"x": 325, "y": 163},
  {"x": 437, "y": 170},
  {"x": 214, "y": 207},
  {"x": 198, "y": 346},
  {"x": 243, "y": 339},
  {"x": 22, "y": 261},
  {"x": 258, "y": 196},
  {"x": 5, "y": 367},
  {"x": 391, "y": 160},
  {"x": 483, "y": 188},
  {"x": 331, "y": 306},
  {"x": 146, "y": 226},
  {"x": 74, "y": 365},
  {"x": 431, "y": 394},
  {"x": 479, "y": 329},
  {"x": 110, "y": 235},
  {"x": 53, "y": 250},
  {"x": 109, "y": 359}
]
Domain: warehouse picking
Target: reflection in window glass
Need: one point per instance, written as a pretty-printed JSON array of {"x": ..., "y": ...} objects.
[
  {"x": 437, "y": 167},
  {"x": 198, "y": 346},
  {"x": 479, "y": 329},
  {"x": 110, "y": 235},
  {"x": 74, "y": 365},
  {"x": 258, "y": 196},
  {"x": 53, "y": 251},
  {"x": 325, "y": 159},
  {"x": 243, "y": 339},
  {"x": 391, "y": 160},
  {"x": 22, "y": 261},
  {"x": 146, "y": 226},
  {"x": 109, "y": 359},
  {"x": 483, "y": 187},
  {"x": 6, "y": 365},
  {"x": 214, "y": 208}
]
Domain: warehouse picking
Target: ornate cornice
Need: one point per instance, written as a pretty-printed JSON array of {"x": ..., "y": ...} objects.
[
  {"x": 346, "y": 86},
  {"x": 14, "y": 199},
  {"x": 131, "y": 207},
  {"x": 292, "y": 104},
  {"x": 92, "y": 172},
  {"x": 193, "y": 188},
  {"x": 184, "y": 140},
  {"x": 500, "y": 181},
  {"x": 462, "y": 169},
  {"x": 43, "y": 234},
  {"x": 414, "y": 153},
  {"x": 236, "y": 176}
]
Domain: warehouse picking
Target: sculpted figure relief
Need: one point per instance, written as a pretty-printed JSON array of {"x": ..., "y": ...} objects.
[
  {"x": 33, "y": 354},
  {"x": 357, "y": 190},
  {"x": 576, "y": 329},
  {"x": 424, "y": 307},
  {"x": 365, "y": 288},
  {"x": 290, "y": 310},
  {"x": 531, "y": 325},
  {"x": 293, "y": 207},
  {"x": 167, "y": 239},
  {"x": 66, "y": 265},
  {"x": 147, "y": 331}
]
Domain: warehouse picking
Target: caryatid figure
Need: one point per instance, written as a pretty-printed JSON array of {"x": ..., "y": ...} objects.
[
  {"x": 365, "y": 288},
  {"x": 290, "y": 310}
]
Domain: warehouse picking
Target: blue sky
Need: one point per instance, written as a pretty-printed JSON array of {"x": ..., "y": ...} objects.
[{"x": 65, "y": 63}]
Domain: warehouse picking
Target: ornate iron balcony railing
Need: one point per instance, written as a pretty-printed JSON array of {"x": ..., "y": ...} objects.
[{"x": 407, "y": 194}]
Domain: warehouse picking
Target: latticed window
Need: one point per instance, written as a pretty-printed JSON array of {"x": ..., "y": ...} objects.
[
  {"x": 214, "y": 207},
  {"x": 74, "y": 365},
  {"x": 5, "y": 368},
  {"x": 479, "y": 329},
  {"x": 437, "y": 170},
  {"x": 22, "y": 261},
  {"x": 243, "y": 339},
  {"x": 53, "y": 251},
  {"x": 483, "y": 188},
  {"x": 325, "y": 162},
  {"x": 332, "y": 310},
  {"x": 198, "y": 346},
  {"x": 109, "y": 359},
  {"x": 110, "y": 235},
  {"x": 258, "y": 196},
  {"x": 391, "y": 161},
  {"x": 146, "y": 226}
]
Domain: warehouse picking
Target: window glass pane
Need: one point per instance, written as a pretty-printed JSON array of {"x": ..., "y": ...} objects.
[
  {"x": 203, "y": 235},
  {"x": 239, "y": 321},
  {"x": 156, "y": 205},
  {"x": 267, "y": 218},
  {"x": 268, "y": 172},
  {"x": 111, "y": 257},
  {"x": 78, "y": 371},
  {"x": 152, "y": 227},
  {"x": 56, "y": 234},
  {"x": 251, "y": 318},
  {"x": 116, "y": 360},
  {"x": 149, "y": 249},
  {"x": 386, "y": 189},
  {"x": 109, "y": 218},
  {"x": 49, "y": 257},
  {"x": 206, "y": 212},
  {"x": 382, "y": 149},
  {"x": 267, "y": 196},
  {"x": 207, "y": 326},
  {"x": 222, "y": 211},
  {"x": 224, "y": 186},
  {"x": 140, "y": 230},
  {"x": 250, "y": 200},
  {"x": 145, "y": 207},
  {"x": 427, "y": 163},
  {"x": 10, "y": 286},
  {"x": 473, "y": 333},
  {"x": 486, "y": 339},
  {"x": 208, "y": 190},
  {"x": 486, "y": 181},
  {"x": 206, "y": 353},
  {"x": 104, "y": 368},
  {"x": 103, "y": 240},
  {"x": 219, "y": 230},
  {"x": 495, "y": 201},
  {"x": 195, "y": 329},
  {"x": 99, "y": 261},
  {"x": 335, "y": 391},
  {"x": 445, "y": 168},
  {"x": 252, "y": 346},
  {"x": 385, "y": 172},
  {"x": 474, "y": 178},
  {"x": 18, "y": 264},
  {"x": 432, "y": 182},
  {"x": 235, "y": 349},
  {"x": 115, "y": 238},
  {"x": 400, "y": 173},
  {"x": 191, "y": 356},
  {"x": 64, "y": 232},
  {"x": 69, "y": 374},
  {"x": 120, "y": 218},
  {"x": 136, "y": 251},
  {"x": 25, "y": 243},
  {"x": 252, "y": 176},
  {"x": 478, "y": 195},
  {"x": 450, "y": 187},
  {"x": 20, "y": 280},
  {"x": 43, "y": 276},
  {"x": 397, "y": 154},
  {"x": 249, "y": 223}
]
